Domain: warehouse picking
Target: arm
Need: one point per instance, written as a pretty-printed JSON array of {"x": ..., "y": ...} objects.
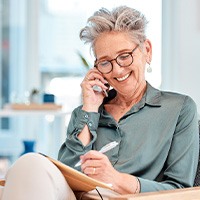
[
  {"x": 81, "y": 132},
  {"x": 91, "y": 99},
  {"x": 73, "y": 148}
]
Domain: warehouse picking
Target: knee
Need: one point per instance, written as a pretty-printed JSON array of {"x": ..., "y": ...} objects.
[
  {"x": 28, "y": 163},
  {"x": 30, "y": 159}
]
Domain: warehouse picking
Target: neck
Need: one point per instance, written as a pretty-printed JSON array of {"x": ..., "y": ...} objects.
[{"x": 130, "y": 99}]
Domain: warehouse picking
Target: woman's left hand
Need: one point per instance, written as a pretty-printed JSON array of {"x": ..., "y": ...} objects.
[{"x": 98, "y": 166}]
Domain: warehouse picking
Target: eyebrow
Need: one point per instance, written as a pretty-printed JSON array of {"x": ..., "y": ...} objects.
[{"x": 117, "y": 53}]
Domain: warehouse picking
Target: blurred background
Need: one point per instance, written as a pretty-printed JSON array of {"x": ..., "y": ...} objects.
[{"x": 40, "y": 54}]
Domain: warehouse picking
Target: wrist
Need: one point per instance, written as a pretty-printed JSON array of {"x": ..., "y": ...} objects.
[
  {"x": 131, "y": 184},
  {"x": 89, "y": 108},
  {"x": 137, "y": 190}
]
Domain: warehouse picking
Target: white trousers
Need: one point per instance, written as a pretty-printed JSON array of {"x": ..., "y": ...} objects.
[{"x": 34, "y": 177}]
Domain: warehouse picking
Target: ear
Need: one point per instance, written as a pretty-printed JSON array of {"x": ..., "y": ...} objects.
[{"x": 148, "y": 50}]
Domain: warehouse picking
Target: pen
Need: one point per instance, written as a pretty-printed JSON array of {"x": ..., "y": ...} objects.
[{"x": 104, "y": 149}]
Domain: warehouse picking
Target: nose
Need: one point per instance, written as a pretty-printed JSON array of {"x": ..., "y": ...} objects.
[{"x": 116, "y": 67}]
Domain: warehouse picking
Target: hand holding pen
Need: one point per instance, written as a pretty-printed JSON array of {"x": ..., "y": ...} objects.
[{"x": 104, "y": 149}]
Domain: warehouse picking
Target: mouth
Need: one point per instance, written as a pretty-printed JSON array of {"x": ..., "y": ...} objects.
[{"x": 123, "y": 78}]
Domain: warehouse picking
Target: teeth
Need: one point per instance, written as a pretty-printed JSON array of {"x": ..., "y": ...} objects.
[{"x": 123, "y": 78}]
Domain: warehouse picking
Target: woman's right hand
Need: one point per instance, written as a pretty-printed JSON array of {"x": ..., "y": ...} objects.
[{"x": 93, "y": 99}]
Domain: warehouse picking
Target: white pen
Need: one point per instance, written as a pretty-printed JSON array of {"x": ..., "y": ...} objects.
[{"x": 104, "y": 149}]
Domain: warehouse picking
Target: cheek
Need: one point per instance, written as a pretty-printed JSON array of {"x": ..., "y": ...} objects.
[
  {"x": 139, "y": 71},
  {"x": 140, "y": 66}
]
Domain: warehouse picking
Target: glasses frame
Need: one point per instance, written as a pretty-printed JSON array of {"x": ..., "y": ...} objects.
[{"x": 110, "y": 61}]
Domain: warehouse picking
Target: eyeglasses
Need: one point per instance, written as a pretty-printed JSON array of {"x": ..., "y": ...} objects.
[{"x": 123, "y": 60}]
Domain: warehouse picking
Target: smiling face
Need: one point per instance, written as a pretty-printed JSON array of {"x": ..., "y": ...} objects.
[{"x": 126, "y": 80}]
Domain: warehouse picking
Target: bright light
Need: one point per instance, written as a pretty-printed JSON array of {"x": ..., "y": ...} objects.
[
  {"x": 50, "y": 118},
  {"x": 67, "y": 91}
]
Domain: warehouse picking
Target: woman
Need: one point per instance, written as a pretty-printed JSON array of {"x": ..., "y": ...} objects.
[{"x": 156, "y": 131}]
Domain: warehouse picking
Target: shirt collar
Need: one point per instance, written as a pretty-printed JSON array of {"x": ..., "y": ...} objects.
[{"x": 151, "y": 97}]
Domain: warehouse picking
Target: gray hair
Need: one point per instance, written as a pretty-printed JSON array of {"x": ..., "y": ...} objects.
[{"x": 120, "y": 19}]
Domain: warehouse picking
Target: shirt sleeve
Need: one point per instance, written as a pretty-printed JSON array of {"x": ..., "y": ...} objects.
[
  {"x": 72, "y": 148},
  {"x": 180, "y": 168}
]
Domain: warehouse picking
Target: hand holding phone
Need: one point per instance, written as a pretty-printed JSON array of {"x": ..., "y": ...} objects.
[{"x": 97, "y": 88}]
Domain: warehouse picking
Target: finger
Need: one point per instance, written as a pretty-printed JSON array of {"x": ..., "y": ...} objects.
[
  {"x": 87, "y": 78},
  {"x": 90, "y": 171},
  {"x": 93, "y": 154},
  {"x": 92, "y": 75},
  {"x": 91, "y": 163},
  {"x": 100, "y": 84},
  {"x": 93, "y": 85},
  {"x": 96, "y": 85},
  {"x": 93, "y": 158}
]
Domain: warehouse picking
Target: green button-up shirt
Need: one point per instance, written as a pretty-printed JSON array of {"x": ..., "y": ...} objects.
[{"x": 158, "y": 139}]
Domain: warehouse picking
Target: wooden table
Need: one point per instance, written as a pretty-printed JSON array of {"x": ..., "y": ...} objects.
[{"x": 178, "y": 194}]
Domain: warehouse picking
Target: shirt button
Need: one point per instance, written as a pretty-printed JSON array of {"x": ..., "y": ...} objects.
[
  {"x": 86, "y": 116},
  {"x": 70, "y": 136},
  {"x": 90, "y": 124}
]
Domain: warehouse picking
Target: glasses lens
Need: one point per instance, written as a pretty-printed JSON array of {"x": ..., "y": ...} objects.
[
  {"x": 104, "y": 66},
  {"x": 124, "y": 59}
]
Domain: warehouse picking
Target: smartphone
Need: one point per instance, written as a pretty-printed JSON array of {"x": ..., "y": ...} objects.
[{"x": 97, "y": 88}]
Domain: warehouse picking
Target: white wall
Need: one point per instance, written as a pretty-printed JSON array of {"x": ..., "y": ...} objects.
[{"x": 181, "y": 47}]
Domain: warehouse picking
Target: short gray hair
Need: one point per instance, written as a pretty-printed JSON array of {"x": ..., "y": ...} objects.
[{"x": 120, "y": 19}]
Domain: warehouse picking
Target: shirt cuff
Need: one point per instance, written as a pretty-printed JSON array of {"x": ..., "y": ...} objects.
[
  {"x": 150, "y": 186},
  {"x": 89, "y": 118}
]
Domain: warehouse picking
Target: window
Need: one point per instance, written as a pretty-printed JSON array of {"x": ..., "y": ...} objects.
[
  {"x": 40, "y": 44},
  {"x": 4, "y": 59}
]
